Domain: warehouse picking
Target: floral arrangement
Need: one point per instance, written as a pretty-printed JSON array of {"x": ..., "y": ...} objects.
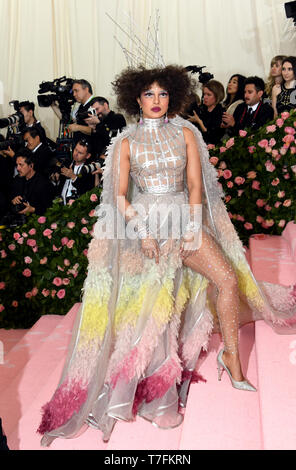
[
  {"x": 44, "y": 262},
  {"x": 258, "y": 172}
]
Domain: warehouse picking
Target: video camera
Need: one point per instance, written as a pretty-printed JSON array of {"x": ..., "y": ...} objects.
[
  {"x": 61, "y": 91},
  {"x": 203, "y": 76}
]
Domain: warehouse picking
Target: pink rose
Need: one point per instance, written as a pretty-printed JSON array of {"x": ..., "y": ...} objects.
[
  {"x": 252, "y": 175},
  {"x": 275, "y": 182},
  {"x": 28, "y": 295},
  {"x": 28, "y": 260},
  {"x": 259, "y": 219},
  {"x": 93, "y": 212},
  {"x": 64, "y": 241},
  {"x": 15, "y": 303},
  {"x": 293, "y": 150},
  {"x": 84, "y": 221},
  {"x": 57, "y": 281},
  {"x": 27, "y": 272},
  {"x": 288, "y": 139},
  {"x": 93, "y": 198},
  {"x": 70, "y": 202},
  {"x": 269, "y": 166},
  {"x": 268, "y": 223},
  {"x": 42, "y": 220},
  {"x": 230, "y": 184},
  {"x": 272, "y": 142},
  {"x": 70, "y": 243},
  {"x": 24, "y": 234},
  {"x": 16, "y": 236},
  {"x": 47, "y": 232},
  {"x": 260, "y": 202},
  {"x": 53, "y": 293},
  {"x": 32, "y": 231},
  {"x": 287, "y": 203},
  {"x": 66, "y": 262},
  {"x": 280, "y": 122},
  {"x": 267, "y": 208},
  {"x": 211, "y": 146},
  {"x": 84, "y": 230},
  {"x": 227, "y": 174},
  {"x": 275, "y": 153},
  {"x": 2, "y": 285},
  {"x": 290, "y": 130},
  {"x": 242, "y": 133},
  {"x": 248, "y": 226},
  {"x": 54, "y": 226},
  {"x": 31, "y": 242},
  {"x": 268, "y": 149},
  {"x": 240, "y": 192},
  {"x": 219, "y": 173},
  {"x": 283, "y": 151},
  {"x": 3, "y": 254},
  {"x": 256, "y": 185},
  {"x": 11, "y": 247},
  {"x": 223, "y": 149},
  {"x": 45, "y": 292},
  {"x": 2, "y": 307},
  {"x": 223, "y": 166},
  {"x": 66, "y": 281},
  {"x": 230, "y": 143},
  {"x": 277, "y": 204},
  {"x": 281, "y": 194},
  {"x": 61, "y": 293},
  {"x": 263, "y": 143},
  {"x": 239, "y": 180},
  {"x": 213, "y": 161},
  {"x": 34, "y": 291},
  {"x": 227, "y": 199},
  {"x": 285, "y": 115},
  {"x": 43, "y": 260},
  {"x": 293, "y": 168},
  {"x": 85, "y": 252},
  {"x": 252, "y": 149},
  {"x": 287, "y": 176},
  {"x": 282, "y": 223},
  {"x": 240, "y": 218},
  {"x": 271, "y": 128},
  {"x": 70, "y": 225}
]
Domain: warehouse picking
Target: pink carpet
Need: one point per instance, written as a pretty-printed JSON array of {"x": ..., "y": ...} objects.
[{"x": 216, "y": 417}]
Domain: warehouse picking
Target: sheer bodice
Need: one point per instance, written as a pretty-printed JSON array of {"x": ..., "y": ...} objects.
[{"x": 158, "y": 157}]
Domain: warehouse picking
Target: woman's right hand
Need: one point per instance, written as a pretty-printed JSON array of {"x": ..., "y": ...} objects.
[{"x": 150, "y": 248}]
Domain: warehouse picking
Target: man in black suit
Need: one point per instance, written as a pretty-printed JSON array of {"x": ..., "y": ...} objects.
[
  {"x": 253, "y": 113},
  {"x": 77, "y": 179},
  {"x": 42, "y": 155}
]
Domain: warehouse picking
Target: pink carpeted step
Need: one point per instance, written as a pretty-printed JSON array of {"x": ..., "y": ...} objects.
[
  {"x": 271, "y": 259},
  {"x": 22, "y": 390},
  {"x": 276, "y": 357},
  {"x": 217, "y": 415},
  {"x": 24, "y": 435},
  {"x": 29, "y": 342},
  {"x": 8, "y": 339},
  {"x": 142, "y": 435}
]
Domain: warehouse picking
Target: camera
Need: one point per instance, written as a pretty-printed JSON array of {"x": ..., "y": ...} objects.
[
  {"x": 89, "y": 113},
  {"x": 16, "y": 118},
  {"x": 89, "y": 168},
  {"x": 203, "y": 76},
  {"x": 61, "y": 91},
  {"x": 16, "y": 208},
  {"x": 14, "y": 141}
]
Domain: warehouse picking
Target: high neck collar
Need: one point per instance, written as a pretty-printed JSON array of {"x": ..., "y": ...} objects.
[{"x": 153, "y": 123}]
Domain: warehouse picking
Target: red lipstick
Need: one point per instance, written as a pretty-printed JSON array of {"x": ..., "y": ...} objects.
[{"x": 156, "y": 110}]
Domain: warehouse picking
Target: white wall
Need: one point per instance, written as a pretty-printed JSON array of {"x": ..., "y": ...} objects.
[{"x": 45, "y": 39}]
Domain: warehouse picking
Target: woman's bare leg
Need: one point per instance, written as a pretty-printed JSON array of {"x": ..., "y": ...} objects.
[{"x": 211, "y": 263}]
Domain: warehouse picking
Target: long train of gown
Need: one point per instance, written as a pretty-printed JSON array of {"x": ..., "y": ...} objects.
[{"x": 141, "y": 326}]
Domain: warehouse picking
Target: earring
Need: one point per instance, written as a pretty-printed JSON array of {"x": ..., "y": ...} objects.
[
  {"x": 166, "y": 119},
  {"x": 141, "y": 117}
]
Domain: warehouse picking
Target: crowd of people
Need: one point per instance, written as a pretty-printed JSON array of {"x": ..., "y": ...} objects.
[{"x": 32, "y": 174}]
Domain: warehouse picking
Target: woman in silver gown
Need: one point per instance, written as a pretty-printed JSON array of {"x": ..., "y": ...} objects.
[{"x": 165, "y": 268}]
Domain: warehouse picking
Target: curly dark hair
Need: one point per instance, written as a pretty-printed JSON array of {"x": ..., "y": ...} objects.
[{"x": 129, "y": 85}]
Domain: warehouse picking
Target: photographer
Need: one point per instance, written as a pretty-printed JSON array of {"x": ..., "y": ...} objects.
[
  {"x": 104, "y": 125},
  {"x": 83, "y": 94},
  {"x": 27, "y": 108},
  {"x": 42, "y": 155},
  {"x": 31, "y": 193},
  {"x": 78, "y": 178}
]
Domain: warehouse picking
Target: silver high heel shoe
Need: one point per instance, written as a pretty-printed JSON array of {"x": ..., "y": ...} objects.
[{"x": 243, "y": 385}]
